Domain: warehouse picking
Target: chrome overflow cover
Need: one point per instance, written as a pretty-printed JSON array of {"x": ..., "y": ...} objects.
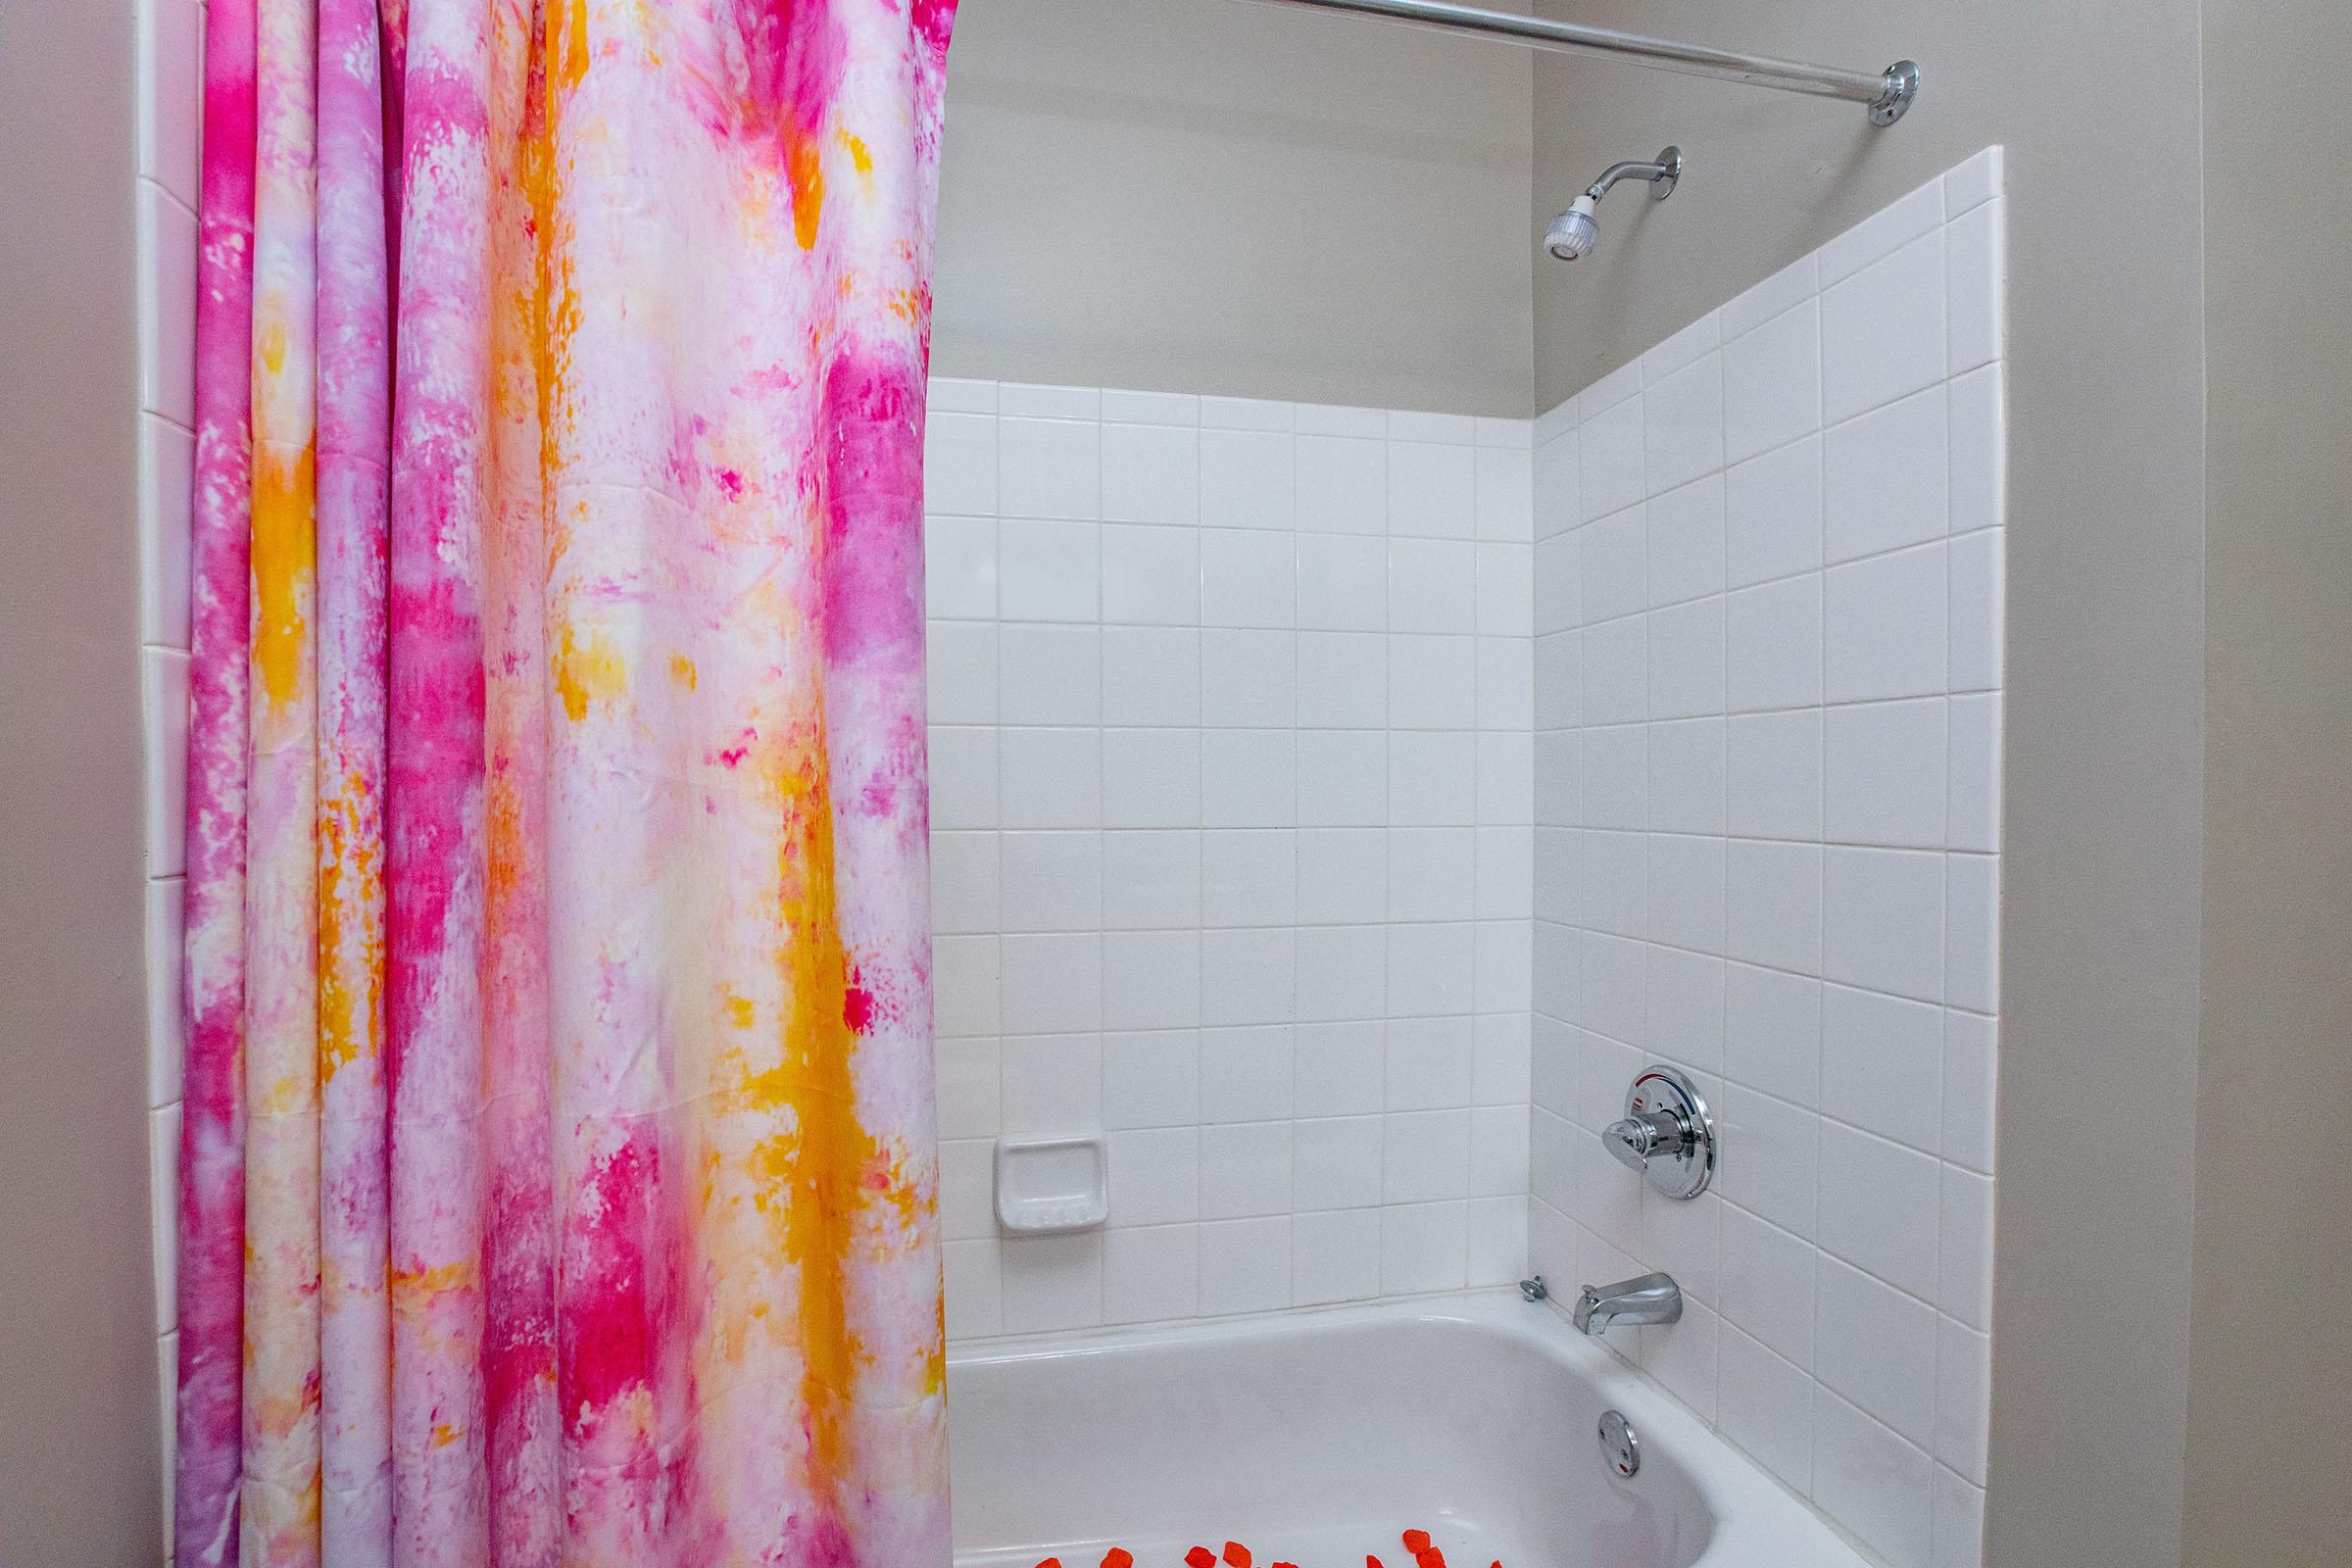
[
  {"x": 1666, "y": 1134},
  {"x": 1618, "y": 1445}
]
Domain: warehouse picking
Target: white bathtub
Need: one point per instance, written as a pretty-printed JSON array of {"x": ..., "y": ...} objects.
[{"x": 1317, "y": 1437}]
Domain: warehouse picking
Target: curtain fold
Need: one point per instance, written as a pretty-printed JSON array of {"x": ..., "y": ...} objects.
[{"x": 559, "y": 1181}]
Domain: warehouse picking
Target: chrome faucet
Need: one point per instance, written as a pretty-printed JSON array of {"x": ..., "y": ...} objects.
[{"x": 1650, "y": 1298}]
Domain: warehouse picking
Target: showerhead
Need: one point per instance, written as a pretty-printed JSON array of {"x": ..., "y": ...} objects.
[{"x": 1573, "y": 233}]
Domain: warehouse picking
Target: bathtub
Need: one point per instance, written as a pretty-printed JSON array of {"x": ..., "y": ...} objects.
[{"x": 1318, "y": 1437}]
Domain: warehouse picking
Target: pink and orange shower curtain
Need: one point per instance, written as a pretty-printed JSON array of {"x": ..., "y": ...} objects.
[{"x": 558, "y": 1180}]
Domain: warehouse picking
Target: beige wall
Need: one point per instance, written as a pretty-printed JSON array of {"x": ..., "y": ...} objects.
[
  {"x": 2269, "y": 1456},
  {"x": 77, "y": 1379},
  {"x": 1202, "y": 196},
  {"x": 2098, "y": 105}
]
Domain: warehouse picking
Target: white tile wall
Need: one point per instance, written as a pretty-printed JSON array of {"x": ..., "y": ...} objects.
[
  {"x": 1232, "y": 811},
  {"x": 1767, "y": 707},
  {"x": 169, "y": 37}
]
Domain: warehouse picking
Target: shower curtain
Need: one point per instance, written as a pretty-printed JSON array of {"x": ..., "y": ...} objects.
[{"x": 559, "y": 1178}]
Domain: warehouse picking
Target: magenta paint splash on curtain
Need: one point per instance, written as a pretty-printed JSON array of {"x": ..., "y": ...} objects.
[{"x": 558, "y": 1182}]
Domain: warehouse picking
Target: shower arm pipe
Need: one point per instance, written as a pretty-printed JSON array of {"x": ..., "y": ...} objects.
[{"x": 1888, "y": 93}]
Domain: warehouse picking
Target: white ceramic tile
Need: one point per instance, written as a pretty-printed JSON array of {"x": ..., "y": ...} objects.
[
  {"x": 1772, "y": 383},
  {"x": 966, "y": 985},
  {"x": 164, "y": 709},
  {"x": 1505, "y": 499},
  {"x": 1150, "y": 675},
  {"x": 1339, "y": 1068},
  {"x": 1773, "y": 781},
  {"x": 1767, "y": 1284},
  {"x": 1771, "y": 1034},
  {"x": 1882, "y": 330},
  {"x": 1151, "y": 1274},
  {"x": 1432, "y": 779},
  {"x": 1431, "y": 970},
  {"x": 947, "y": 394},
  {"x": 1425, "y": 1156},
  {"x": 1871, "y": 1481},
  {"x": 1772, "y": 513},
  {"x": 1881, "y": 1064},
  {"x": 1335, "y": 1256},
  {"x": 1156, "y": 1176},
  {"x": 1245, "y": 1073},
  {"x": 1433, "y": 586},
  {"x": 1051, "y": 983},
  {"x": 1773, "y": 904},
  {"x": 1343, "y": 485},
  {"x": 1875, "y": 1348},
  {"x": 1963, "y": 1382},
  {"x": 1048, "y": 570},
  {"x": 1879, "y": 1203},
  {"x": 969, "y": 1082},
  {"x": 1883, "y": 233},
  {"x": 1247, "y": 413},
  {"x": 1611, "y": 390},
  {"x": 1151, "y": 576},
  {"x": 1245, "y": 1265},
  {"x": 1050, "y": 778},
  {"x": 1884, "y": 774},
  {"x": 1151, "y": 778},
  {"x": 1685, "y": 542},
  {"x": 162, "y": 1177},
  {"x": 1249, "y": 577},
  {"x": 1249, "y": 679},
  {"x": 1684, "y": 1019},
  {"x": 166, "y": 455},
  {"x": 1151, "y": 980},
  {"x": 1248, "y": 478},
  {"x": 1429, "y": 1065},
  {"x": 1977, "y": 620},
  {"x": 975, "y": 1299},
  {"x": 1885, "y": 479},
  {"x": 1764, "y": 1404},
  {"x": 1968, "y": 1089},
  {"x": 1245, "y": 1170},
  {"x": 1978, "y": 462},
  {"x": 1777, "y": 1178},
  {"x": 1150, "y": 474},
  {"x": 1506, "y": 788},
  {"x": 1686, "y": 784},
  {"x": 1433, "y": 873},
  {"x": 166, "y": 265},
  {"x": 1040, "y": 401},
  {"x": 165, "y": 932},
  {"x": 1972, "y": 932},
  {"x": 1151, "y": 1079},
  {"x": 1974, "y": 245},
  {"x": 1976, "y": 180},
  {"x": 1884, "y": 627},
  {"x": 1052, "y": 881},
  {"x": 1047, "y": 468},
  {"x": 1341, "y": 778},
  {"x": 1342, "y": 875},
  {"x": 1681, "y": 1359},
  {"x": 1772, "y": 638},
  {"x": 1150, "y": 407},
  {"x": 1433, "y": 682},
  {"x": 1051, "y": 1085},
  {"x": 1610, "y": 460},
  {"x": 1683, "y": 429},
  {"x": 1975, "y": 774},
  {"x": 1424, "y": 1246},
  {"x": 1774, "y": 297},
  {"x": 1048, "y": 674},
  {"x": 1959, "y": 1522},
  {"x": 1333, "y": 419},
  {"x": 1558, "y": 475},
  {"x": 1686, "y": 891},
  {"x": 1615, "y": 886},
  {"x": 1964, "y": 1252},
  {"x": 961, "y": 566},
  {"x": 1342, "y": 681},
  {"x": 1883, "y": 920},
  {"x": 1051, "y": 1283},
  {"x": 1342, "y": 582},
  {"x": 1247, "y": 976},
  {"x": 1249, "y": 778},
  {"x": 1615, "y": 661},
  {"x": 961, "y": 661},
  {"x": 170, "y": 84},
  {"x": 1505, "y": 590},
  {"x": 1682, "y": 347},
  {"x": 967, "y": 1206},
  {"x": 959, "y": 464},
  {"x": 1432, "y": 490}
]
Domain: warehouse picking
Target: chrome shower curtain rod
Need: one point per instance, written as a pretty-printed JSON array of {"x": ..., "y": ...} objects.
[{"x": 1888, "y": 93}]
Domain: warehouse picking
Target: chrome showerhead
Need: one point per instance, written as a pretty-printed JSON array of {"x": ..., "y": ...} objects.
[{"x": 1572, "y": 234}]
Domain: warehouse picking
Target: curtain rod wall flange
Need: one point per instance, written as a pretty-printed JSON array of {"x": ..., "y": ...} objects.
[{"x": 1888, "y": 94}]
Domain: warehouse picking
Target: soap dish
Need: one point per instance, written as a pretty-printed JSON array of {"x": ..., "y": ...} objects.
[{"x": 1053, "y": 1185}]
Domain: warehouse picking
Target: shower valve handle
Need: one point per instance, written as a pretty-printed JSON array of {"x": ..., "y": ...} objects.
[{"x": 1638, "y": 1137}]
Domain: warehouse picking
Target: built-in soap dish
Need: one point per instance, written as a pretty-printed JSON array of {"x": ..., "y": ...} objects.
[{"x": 1050, "y": 1184}]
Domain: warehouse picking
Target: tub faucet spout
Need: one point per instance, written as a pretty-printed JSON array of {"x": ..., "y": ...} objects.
[{"x": 1650, "y": 1298}]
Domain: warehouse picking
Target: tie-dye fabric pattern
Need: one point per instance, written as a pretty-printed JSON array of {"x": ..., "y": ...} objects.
[{"x": 558, "y": 1182}]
